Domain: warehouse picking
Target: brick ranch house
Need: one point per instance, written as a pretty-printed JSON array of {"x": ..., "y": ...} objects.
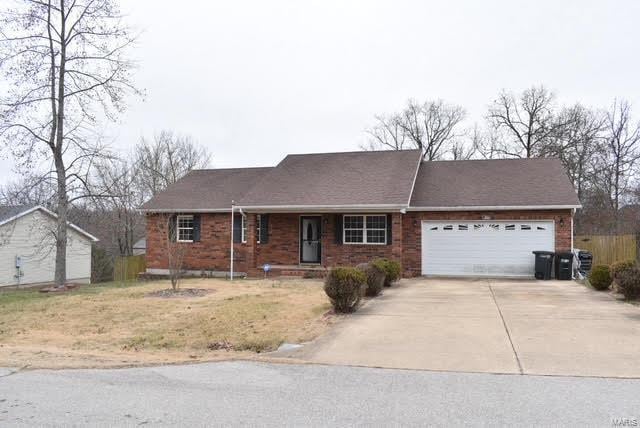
[{"x": 316, "y": 211}]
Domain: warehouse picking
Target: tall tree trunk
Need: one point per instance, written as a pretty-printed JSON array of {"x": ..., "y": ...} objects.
[
  {"x": 61, "y": 230},
  {"x": 616, "y": 199},
  {"x": 60, "y": 276}
]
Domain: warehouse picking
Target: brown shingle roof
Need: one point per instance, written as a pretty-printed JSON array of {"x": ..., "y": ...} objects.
[
  {"x": 492, "y": 183},
  {"x": 380, "y": 179},
  {"x": 336, "y": 179},
  {"x": 206, "y": 189}
]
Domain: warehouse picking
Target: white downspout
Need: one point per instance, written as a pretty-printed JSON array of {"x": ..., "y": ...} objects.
[
  {"x": 231, "y": 264},
  {"x": 573, "y": 212}
]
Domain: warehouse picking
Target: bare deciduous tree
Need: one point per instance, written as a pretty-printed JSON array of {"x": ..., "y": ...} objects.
[
  {"x": 66, "y": 69},
  {"x": 388, "y": 133},
  {"x": 432, "y": 127},
  {"x": 619, "y": 161},
  {"x": 523, "y": 126},
  {"x": 30, "y": 189},
  {"x": 165, "y": 159},
  {"x": 470, "y": 146},
  {"x": 176, "y": 251},
  {"x": 119, "y": 210},
  {"x": 576, "y": 144}
]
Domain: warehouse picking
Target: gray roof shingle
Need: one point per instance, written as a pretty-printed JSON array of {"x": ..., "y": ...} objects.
[
  {"x": 9, "y": 211},
  {"x": 493, "y": 183},
  {"x": 206, "y": 189},
  {"x": 330, "y": 179},
  {"x": 381, "y": 178}
]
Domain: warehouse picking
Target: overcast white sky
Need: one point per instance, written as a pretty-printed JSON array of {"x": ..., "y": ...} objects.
[{"x": 255, "y": 80}]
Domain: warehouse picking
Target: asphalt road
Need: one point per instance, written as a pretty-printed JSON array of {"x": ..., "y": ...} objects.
[{"x": 247, "y": 393}]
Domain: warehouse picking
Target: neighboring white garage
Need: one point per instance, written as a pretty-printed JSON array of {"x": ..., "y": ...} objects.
[
  {"x": 484, "y": 248},
  {"x": 27, "y": 247}
]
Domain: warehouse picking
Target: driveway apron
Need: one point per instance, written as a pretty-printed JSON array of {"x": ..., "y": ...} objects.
[{"x": 491, "y": 326}]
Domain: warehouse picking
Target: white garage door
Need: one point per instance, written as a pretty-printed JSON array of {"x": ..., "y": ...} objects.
[{"x": 484, "y": 248}]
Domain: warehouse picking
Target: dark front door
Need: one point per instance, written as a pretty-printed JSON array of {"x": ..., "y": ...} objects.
[{"x": 310, "y": 249}]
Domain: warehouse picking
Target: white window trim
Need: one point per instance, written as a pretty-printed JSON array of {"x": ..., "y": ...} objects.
[
  {"x": 258, "y": 228},
  {"x": 364, "y": 229},
  {"x": 243, "y": 229},
  {"x": 183, "y": 216}
]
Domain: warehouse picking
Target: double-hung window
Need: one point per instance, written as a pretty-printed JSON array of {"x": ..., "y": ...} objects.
[
  {"x": 365, "y": 229},
  {"x": 258, "y": 228},
  {"x": 244, "y": 230},
  {"x": 184, "y": 228}
]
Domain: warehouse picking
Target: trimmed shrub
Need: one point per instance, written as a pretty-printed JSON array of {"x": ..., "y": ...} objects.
[
  {"x": 375, "y": 278},
  {"x": 619, "y": 266},
  {"x": 345, "y": 287},
  {"x": 391, "y": 270},
  {"x": 600, "y": 277},
  {"x": 628, "y": 281}
]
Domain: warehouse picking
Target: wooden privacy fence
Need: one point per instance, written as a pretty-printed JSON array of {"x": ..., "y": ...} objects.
[
  {"x": 126, "y": 268},
  {"x": 607, "y": 249}
]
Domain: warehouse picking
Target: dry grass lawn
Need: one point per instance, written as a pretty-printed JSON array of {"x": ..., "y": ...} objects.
[{"x": 117, "y": 325}]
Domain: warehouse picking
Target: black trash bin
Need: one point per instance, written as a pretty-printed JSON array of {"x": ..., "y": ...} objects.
[
  {"x": 544, "y": 260},
  {"x": 564, "y": 266}
]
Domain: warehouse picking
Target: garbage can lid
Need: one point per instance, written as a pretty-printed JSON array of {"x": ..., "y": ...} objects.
[
  {"x": 543, "y": 253},
  {"x": 564, "y": 255}
]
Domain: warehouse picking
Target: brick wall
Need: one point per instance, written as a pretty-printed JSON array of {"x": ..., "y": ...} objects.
[
  {"x": 353, "y": 254},
  {"x": 412, "y": 221},
  {"x": 282, "y": 247},
  {"x": 284, "y": 243},
  {"x": 211, "y": 253}
]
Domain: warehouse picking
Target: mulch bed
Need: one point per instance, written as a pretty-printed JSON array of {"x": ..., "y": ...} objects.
[{"x": 180, "y": 292}]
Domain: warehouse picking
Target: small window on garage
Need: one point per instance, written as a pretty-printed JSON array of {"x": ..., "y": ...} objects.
[
  {"x": 525, "y": 227},
  {"x": 494, "y": 226},
  {"x": 448, "y": 227},
  {"x": 478, "y": 226},
  {"x": 434, "y": 228},
  {"x": 510, "y": 227},
  {"x": 541, "y": 228},
  {"x": 463, "y": 227}
]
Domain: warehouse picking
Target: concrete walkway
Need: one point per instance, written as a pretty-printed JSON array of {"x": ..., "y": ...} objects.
[{"x": 491, "y": 326}]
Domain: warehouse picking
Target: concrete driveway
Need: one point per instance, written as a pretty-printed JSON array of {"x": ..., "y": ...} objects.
[{"x": 494, "y": 326}]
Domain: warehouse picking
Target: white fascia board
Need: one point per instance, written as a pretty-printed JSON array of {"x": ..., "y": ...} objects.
[
  {"x": 282, "y": 208},
  {"x": 323, "y": 208},
  {"x": 415, "y": 177},
  {"x": 71, "y": 225},
  {"x": 184, "y": 210},
  {"x": 496, "y": 208},
  {"x": 21, "y": 214},
  {"x": 52, "y": 214}
]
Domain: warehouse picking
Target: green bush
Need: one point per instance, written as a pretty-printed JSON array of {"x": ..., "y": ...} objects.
[
  {"x": 600, "y": 277},
  {"x": 345, "y": 287},
  {"x": 391, "y": 270},
  {"x": 619, "y": 266},
  {"x": 628, "y": 281},
  {"x": 375, "y": 278}
]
